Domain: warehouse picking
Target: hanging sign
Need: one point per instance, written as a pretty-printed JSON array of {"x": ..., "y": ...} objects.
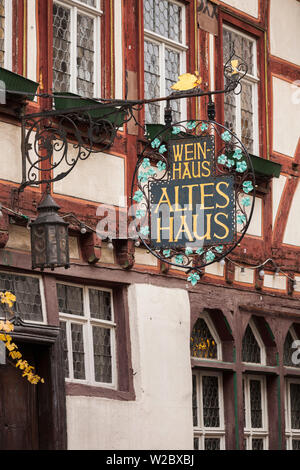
[
  {"x": 193, "y": 207},
  {"x": 207, "y": 16}
]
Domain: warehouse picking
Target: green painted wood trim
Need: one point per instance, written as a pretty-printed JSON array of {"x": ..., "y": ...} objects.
[
  {"x": 265, "y": 167},
  {"x": 14, "y": 82},
  {"x": 236, "y": 418},
  {"x": 279, "y": 414}
]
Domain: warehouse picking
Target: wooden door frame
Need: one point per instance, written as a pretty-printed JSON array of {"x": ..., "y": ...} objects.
[{"x": 47, "y": 346}]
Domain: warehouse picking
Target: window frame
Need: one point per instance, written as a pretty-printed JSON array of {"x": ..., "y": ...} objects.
[
  {"x": 251, "y": 433},
  {"x": 200, "y": 431},
  {"x": 205, "y": 316},
  {"x": 76, "y": 7},
  {"x": 88, "y": 322},
  {"x": 42, "y": 293},
  {"x": 251, "y": 79},
  {"x": 182, "y": 48},
  {"x": 290, "y": 433},
  {"x": 263, "y": 355},
  {"x": 8, "y": 34}
]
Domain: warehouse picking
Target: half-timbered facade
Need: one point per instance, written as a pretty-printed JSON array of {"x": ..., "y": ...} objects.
[{"x": 133, "y": 356}]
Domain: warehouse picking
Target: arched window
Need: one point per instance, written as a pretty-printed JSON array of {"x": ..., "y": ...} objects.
[
  {"x": 204, "y": 340},
  {"x": 253, "y": 350},
  {"x": 289, "y": 358}
]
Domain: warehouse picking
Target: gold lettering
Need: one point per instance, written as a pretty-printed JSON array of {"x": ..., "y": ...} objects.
[
  {"x": 164, "y": 199},
  {"x": 217, "y": 221},
  {"x": 203, "y": 195},
  {"x": 160, "y": 229},
  {"x": 222, "y": 194},
  {"x": 177, "y": 207},
  {"x": 201, "y": 150},
  {"x": 193, "y": 167},
  {"x": 184, "y": 229},
  {"x": 190, "y": 188},
  {"x": 186, "y": 171},
  {"x": 175, "y": 170},
  {"x": 187, "y": 152},
  {"x": 208, "y": 228},
  {"x": 204, "y": 164},
  {"x": 177, "y": 149}
]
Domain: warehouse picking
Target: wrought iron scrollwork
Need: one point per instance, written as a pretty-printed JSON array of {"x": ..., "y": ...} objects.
[{"x": 54, "y": 142}]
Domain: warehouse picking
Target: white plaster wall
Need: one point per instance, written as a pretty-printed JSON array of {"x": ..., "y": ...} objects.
[
  {"x": 10, "y": 153},
  {"x": 118, "y": 30},
  {"x": 100, "y": 178},
  {"x": 216, "y": 269},
  {"x": 245, "y": 275},
  {"x": 284, "y": 30},
  {"x": 286, "y": 117},
  {"x": 255, "y": 226},
  {"x": 247, "y": 6},
  {"x": 161, "y": 415},
  {"x": 292, "y": 230},
  {"x": 31, "y": 41},
  {"x": 272, "y": 281},
  {"x": 277, "y": 189}
]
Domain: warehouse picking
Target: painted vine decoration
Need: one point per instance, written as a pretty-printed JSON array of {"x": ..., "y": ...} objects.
[
  {"x": 231, "y": 158},
  {"x": 6, "y": 327}
]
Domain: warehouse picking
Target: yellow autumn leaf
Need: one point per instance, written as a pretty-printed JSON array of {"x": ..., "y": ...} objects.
[
  {"x": 8, "y": 327},
  {"x": 234, "y": 65},
  {"x": 187, "y": 81}
]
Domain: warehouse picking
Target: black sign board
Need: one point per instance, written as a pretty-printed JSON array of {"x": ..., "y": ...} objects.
[{"x": 194, "y": 207}]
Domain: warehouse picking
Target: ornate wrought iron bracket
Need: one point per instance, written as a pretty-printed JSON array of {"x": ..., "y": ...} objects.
[{"x": 53, "y": 142}]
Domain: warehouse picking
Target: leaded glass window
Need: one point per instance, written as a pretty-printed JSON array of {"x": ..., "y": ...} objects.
[
  {"x": 255, "y": 412},
  {"x": 164, "y": 55},
  {"x": 289, "y": 350},
  {"x": 6, "y": 34},
  {"x": 292, "y": 417},
  {"x": 88, "y": 333},
  {"x": 2, "y": 32},
  {"x": 76, "y": 48},
  {"x": 251, "y": 351},
  {"x": 203, "y": 344},
  {"x": 208, "y": 412},
  {"x": 29, "y": 296},
  {"x": 241, "y": 110}
]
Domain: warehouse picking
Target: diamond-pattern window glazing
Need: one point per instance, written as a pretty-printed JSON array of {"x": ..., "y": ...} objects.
[
  {"x": 164, "y": 55},
  {"x": 88, "y": 331},
  {"x": 76, "y": 48},
  {"x": 28, "y": 303}
]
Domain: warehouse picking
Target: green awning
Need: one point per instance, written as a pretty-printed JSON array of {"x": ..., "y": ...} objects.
[{"x": 23, "y": 87}]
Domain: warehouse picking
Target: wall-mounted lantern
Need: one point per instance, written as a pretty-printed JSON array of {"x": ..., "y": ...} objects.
[{"x": 49, "y": 237}]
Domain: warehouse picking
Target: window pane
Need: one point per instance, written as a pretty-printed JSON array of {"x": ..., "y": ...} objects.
[
  {"x": 243, "y": 48},
  {"x": 70, "y": 299},
  {"x": 195, "y": 402},
  {"x": 210, "y": 397},
  {"x": 203, "y": 344},
  {"x": 2, "y": 32},
  {"x": 247, "y": 115},
  {"x": 250, "y": 347},
  {"x": 164, "y": 18},
  {"x": 256, "y": 404},
  {"x": 196, "y": 443},
  {"x": 78, "y": 351},
  {"x": 91, "y": 3},
  {"x": 172, "y": 72},
  {"x": 63, "y": 327},
  {"x": 211, "y": 443},
  {"x": 27, "y": 291},
  {"x": 102, "y": 354},
  {"x": 100, "y": 304},
  {"x": 288, "y": 351},
  {"x": 257, "y": 444},
  {"x": 85, "y": 55},
  {"x": 230, "y": 111},
  {"x": 296, "y": 444},
  {"x": 295, "y": 405},
  {"x": 61, "y": 48},
  {"x": 152, "y": 81}
]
